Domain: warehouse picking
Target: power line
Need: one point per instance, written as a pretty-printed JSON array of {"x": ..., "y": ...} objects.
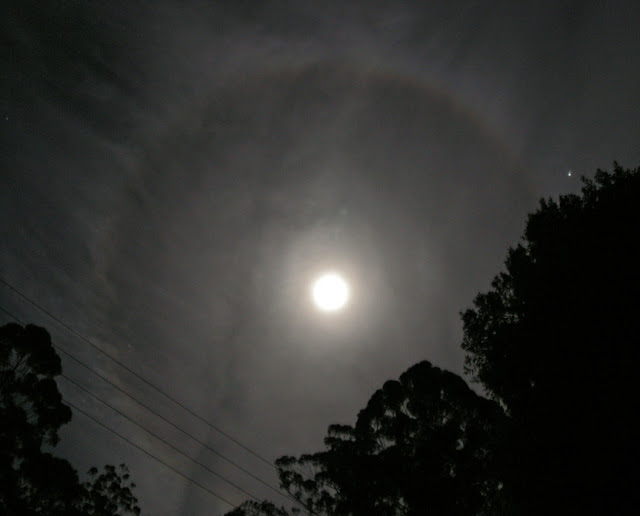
[
  {"x": 77, "y": 385},
  {"x": 151, "y": 455},
  {"x": 12, "y": 316},
  {"x": 202, "y": 443},
  {"x": 157, "y": 436},
  {"x": 191, "y": 436},
  {"x": 141, "y": 378}
]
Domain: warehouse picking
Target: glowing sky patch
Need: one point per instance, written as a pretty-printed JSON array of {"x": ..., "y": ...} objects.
[{"x": 330, "y": 292}]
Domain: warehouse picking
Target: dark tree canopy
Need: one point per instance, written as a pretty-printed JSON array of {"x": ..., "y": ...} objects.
[
  {"x": 31, "y": 412},
  {"x": 109, "y": 493},
  {"x": 556, "y": 342},
  {"x": 31, "y": 405},
  {"x": 251, "y": 508},
  {"x": 422, "y": 445},
  {"x": 32, "y": 481}
]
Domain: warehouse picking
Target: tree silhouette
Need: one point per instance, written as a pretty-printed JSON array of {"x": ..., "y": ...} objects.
[
  {"x": 32, "y": 481},
  {"x": 422, "y": 445},
  {"x": 109, "y": 493},
  {"x": 251, "y": 508},
  {"x": 555, "y": 341}
]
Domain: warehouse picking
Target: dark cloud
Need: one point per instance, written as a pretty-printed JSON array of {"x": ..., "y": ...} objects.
[{"x": 174, "y": 174}]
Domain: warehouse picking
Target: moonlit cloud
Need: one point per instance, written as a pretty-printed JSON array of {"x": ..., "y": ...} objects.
[{"x": 176, "y": 174}]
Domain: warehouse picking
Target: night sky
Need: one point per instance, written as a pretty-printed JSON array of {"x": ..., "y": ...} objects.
[{"x": 174, "y": 175}]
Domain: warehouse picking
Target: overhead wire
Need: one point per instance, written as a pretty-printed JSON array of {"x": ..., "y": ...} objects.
[
  {"x": 145, "y": 406},
  {"x": 171, "y": 423},
  {"x": 210, "y": 491},
  {"x": 122, "y": 414},
  {"x": 77, "y": 409},
  {"x": 137, "y": 375},
  {"x": 82, "y": 388}
]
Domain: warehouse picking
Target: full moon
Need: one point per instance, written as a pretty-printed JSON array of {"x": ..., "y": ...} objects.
[{"x": 330, "y": 292}]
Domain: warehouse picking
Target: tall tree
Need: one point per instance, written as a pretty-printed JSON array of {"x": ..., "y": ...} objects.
[
  {"x": 555, "y": 341},
  {"x": 423, "y": 445},
  {"x": 33, "y": 481},
  {"x": 31, "y": 412},
  {"x": 108, "y": 493}
]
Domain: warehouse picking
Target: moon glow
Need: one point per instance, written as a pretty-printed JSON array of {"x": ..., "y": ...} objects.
[{"x": 330, "y": 292}]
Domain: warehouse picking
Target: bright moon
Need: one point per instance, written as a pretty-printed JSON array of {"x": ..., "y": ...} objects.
[{"x": 330, "y": 292}]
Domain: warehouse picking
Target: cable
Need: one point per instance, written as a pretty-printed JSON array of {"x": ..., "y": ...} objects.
[
  {"x": 151, "y": 455},
  {"x": 77, "y": 385},
  {"x": 202, "y": 443},
  {"x": 12, "y": 316},
  {"x": 85, "y": 339},
  {"x": 157, "y": 436}
]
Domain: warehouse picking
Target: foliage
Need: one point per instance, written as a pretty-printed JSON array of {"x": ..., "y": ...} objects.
[
  {"x": 32, "y": 481},
  {"x": 251, "y": 508},
  {"x": 422, "y": 444},
  {"x": 32, "y": 409},
  {"x": 109, "y": 493},
  {"x": 555, "y": 341}
]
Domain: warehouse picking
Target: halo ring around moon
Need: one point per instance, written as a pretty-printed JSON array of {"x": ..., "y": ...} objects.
[{"x": 189, "y": 125}]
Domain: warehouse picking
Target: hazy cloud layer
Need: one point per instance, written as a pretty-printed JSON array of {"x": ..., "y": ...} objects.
[{"x": 175, "y": 174}]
